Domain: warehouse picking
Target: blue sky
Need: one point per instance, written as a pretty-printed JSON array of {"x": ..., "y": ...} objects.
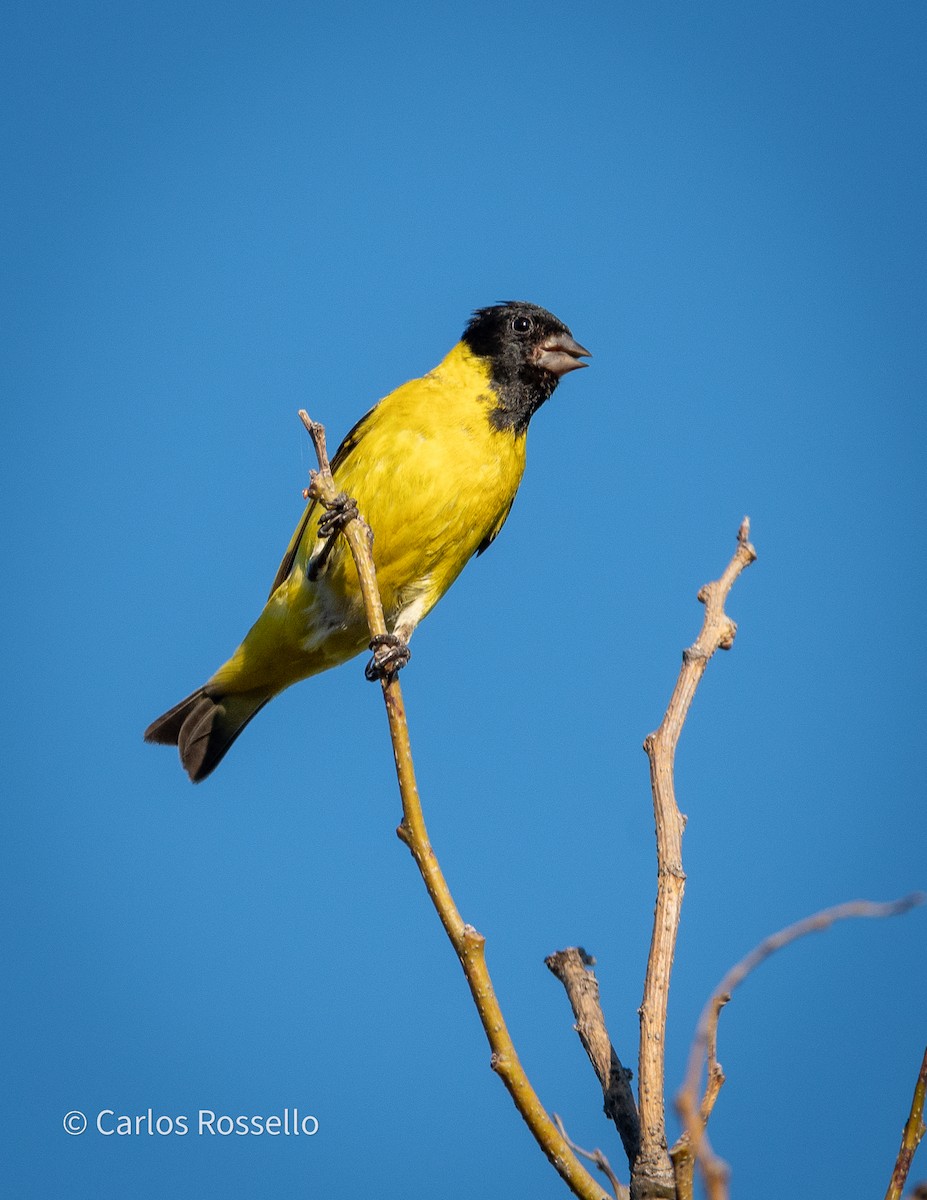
[{"x": 215, "y": 216}]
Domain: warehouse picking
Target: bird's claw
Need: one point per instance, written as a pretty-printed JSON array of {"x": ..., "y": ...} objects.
[
  {"x": 390, "y": 654},
  {"x": 338, "y": 513}
]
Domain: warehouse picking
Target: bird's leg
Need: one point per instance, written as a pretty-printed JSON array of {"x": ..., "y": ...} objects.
[
  {"x": 390, "y": 654},
  {"x": 391, "y": 650},
  {"x": 338, "y": 513}
]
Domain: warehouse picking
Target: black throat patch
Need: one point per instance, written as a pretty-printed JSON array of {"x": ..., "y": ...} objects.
[{"x": 519, "y": 384}]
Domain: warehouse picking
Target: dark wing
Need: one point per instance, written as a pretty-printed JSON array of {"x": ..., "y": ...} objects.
[
  {"x": 351, "y": 439},
  {"x": 494, "y": 532}
]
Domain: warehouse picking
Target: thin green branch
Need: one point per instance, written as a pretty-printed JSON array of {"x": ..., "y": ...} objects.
[
  {"x": 911, "y": 1137},
  {"x": 467, "y": 941}
]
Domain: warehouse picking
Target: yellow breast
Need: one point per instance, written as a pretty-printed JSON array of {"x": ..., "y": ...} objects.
[{"x": 434, "y": 479}]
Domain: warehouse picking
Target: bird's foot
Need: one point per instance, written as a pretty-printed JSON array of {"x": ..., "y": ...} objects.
[
  {"x": 390, "y": 654},
  {"x": 338, "y": 513}
]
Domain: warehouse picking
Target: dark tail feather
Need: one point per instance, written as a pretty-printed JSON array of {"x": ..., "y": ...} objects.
[{"x": 203, "y": 727}]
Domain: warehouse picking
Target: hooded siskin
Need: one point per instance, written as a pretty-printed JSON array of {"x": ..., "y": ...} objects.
[{"x": 434, "y": 469}]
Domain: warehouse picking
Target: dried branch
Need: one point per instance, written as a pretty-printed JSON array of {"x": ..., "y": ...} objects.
[
  {"x": 467, "y": 942},
  {"x": 694, "y": 1146},
  {"x": 911, "y": 1137},
  {"x": 653, "y": 1173},
  {"x": 573, "y": 967},
  {"x": 594, "y": 1156}
]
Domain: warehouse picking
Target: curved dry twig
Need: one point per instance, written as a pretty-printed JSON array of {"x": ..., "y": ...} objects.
[
  {"x": 693, "y": 1147},
  {"x": 594, "y": 1156},
  {"x": 467, "y": 941}
]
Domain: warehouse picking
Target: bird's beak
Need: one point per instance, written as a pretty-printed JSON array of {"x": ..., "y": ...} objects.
[{"x": 560, "y": 353}]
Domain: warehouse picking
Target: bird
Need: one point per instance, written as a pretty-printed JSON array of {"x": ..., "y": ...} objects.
[{"x": 433, "y": 468}]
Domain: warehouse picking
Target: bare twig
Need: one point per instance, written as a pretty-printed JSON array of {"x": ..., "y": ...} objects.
[
  {"x": 573, "y": 967},
  {"x": 594, "y": 1156},
  {"x": 911, "y": 1137},
  {"x": 467, "y": 942},
  {"x": 653, "y": 1173},
  {"x": 694, "y": 1146}
]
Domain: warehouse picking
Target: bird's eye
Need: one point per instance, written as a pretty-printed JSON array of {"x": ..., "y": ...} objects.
[{"x": 522, "y": 325}]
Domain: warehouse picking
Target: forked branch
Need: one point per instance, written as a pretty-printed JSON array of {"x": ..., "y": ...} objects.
[{"x": 467, "y": 942}]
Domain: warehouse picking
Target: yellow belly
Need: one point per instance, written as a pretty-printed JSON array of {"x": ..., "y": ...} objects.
[{"x": 434, "y": 479}]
